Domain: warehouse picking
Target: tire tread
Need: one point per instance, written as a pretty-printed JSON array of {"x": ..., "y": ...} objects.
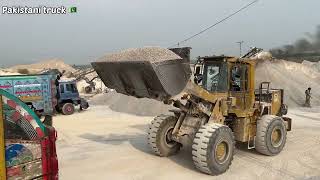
[
  {"x": 201, "y": 144},
  {"x": 153, "y": 130},
  {"x": 262, "y": 127}
]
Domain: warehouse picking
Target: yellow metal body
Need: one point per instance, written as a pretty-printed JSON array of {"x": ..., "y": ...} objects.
[
  {"x": 241, "y": 104},
  {"x": 2, "y": 144},
  {"x": 244, "y": 99},
  {"x": 276, "y": 102}
]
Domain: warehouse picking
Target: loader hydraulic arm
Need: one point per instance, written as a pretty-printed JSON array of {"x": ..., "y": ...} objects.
[{"x": 217, "y": 113}]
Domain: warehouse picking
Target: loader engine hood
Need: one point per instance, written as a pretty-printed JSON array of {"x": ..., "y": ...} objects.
[{"x": 152, "y": 72}]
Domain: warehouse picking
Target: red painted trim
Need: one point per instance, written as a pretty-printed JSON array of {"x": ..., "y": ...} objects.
[
  {"x": 15, "y": 116},
  {"x": 13, "y": 171},
  {"x": 49, "y": 156},
  {"x": 11, "y": 103},
  {"x": 26, "y": 92},
  {"x": 6, "y": 86},
  {"x": 40, "y": 132},
  {"x": 45, "y": 160},
  {"x": 28, "y": 117}
]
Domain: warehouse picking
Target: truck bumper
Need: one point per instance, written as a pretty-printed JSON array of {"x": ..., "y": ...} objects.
[{"x": 84, "y": 104}]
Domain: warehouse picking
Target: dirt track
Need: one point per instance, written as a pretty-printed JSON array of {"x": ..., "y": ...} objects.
[{"x": 103, "y": 144}]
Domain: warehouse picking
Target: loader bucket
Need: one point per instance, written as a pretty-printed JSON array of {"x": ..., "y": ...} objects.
[{"x": 155, "y": 73}]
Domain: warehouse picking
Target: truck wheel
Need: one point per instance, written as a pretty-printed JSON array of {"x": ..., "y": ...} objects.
[
  {"x": 67, "y": 109},
  {"x": 271, "y": 135},
  {"x": 160, "y": 136},
  {"x": 213, "y": 148}
]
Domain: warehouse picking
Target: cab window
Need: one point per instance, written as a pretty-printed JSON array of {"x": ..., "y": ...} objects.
[
  {"x": 239, "y": 78},
  {"x": 215, "y": 77},
  {"x": 71, "y": 88}
]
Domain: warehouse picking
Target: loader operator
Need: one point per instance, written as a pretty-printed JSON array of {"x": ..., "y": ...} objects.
[
  {"x": 235, "y": 80},
  {"x": 308, "y": 97}
]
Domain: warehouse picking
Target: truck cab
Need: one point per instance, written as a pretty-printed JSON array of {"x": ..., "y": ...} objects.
[
  {"x": 69, "y": 97},
  {"x": 68, "y": 91}
]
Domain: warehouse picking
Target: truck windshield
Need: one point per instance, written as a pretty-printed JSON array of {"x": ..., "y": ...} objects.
[
  {"x": 215, "y": 77},
  {"x": 71, "y": 88}
]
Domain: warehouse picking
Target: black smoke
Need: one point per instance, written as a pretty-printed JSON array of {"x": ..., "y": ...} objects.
[{"x": 304, "y": 47}]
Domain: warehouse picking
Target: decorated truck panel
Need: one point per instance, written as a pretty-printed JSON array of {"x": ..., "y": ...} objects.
[
  {"x": 44, "y": 93},
  {"x": 27, "y": 146},
  {"x": 37, "y": 91}
]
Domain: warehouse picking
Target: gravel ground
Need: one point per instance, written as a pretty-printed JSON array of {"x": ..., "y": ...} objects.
[{"x": 102, "y": 144}]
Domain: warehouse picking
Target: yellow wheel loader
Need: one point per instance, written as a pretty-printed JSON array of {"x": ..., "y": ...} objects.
[{"x": 218, "y": 108}]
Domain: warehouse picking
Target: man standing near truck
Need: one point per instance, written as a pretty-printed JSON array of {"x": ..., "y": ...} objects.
[{"x": 308, "y": 97}]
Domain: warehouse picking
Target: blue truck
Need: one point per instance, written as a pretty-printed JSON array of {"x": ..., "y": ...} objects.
[{"x": 44, "y": 93}]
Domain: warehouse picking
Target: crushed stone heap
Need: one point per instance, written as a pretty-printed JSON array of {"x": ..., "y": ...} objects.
[
  {"x": 151, "y": 54},
  {"x": 293, "y": 77}
]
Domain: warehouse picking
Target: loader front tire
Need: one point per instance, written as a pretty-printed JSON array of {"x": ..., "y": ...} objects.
[
  {"x": 213, "y": 149},
  {"x": 271, "y": 135},
  {"x": 160, "y": 136}
]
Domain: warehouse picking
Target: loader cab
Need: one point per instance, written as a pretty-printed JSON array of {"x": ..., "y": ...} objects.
[
  {"x": 241, "y": 85},
  {"x": 198, "y": 71},
  {"x": 228, "y": 75},
  {"x": 212, "y": 73},
  {"x": 215, "y": 76}
]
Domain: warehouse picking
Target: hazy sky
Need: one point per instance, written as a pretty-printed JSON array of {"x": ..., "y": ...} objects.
[{"x": 103, "y": 26}]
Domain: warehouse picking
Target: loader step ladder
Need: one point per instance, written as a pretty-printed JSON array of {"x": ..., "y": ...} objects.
[{"x": 253, "y": 145}]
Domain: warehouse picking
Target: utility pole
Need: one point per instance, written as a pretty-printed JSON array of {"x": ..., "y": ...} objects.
[{"x": 240, "y": 46}]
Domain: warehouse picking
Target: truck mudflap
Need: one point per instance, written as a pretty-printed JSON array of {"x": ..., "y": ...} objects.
[
  {"x": 84, "y": 104},
  {"x": 143, "y": 77}
]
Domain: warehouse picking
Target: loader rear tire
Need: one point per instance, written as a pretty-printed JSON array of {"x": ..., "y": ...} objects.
[
  {"x": 271, "y": 135},
  {"x": 159, "y": 136},
  {"x": 213, "y": 149}
]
